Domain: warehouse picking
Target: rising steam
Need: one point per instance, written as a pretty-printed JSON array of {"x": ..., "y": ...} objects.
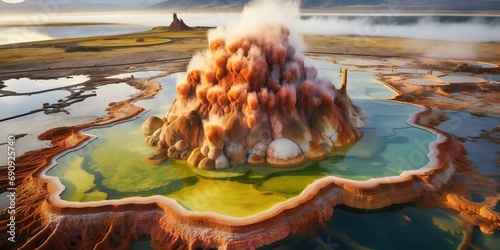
[
  {"x": 250, "y": 98},
  {"x": 442, "y": 28}
]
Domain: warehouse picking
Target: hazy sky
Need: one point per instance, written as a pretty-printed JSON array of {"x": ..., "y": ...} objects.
[
  {"x": 12, "y": 1},
  {"x": 106, "y": 2},
  {"x": 121, "y": 2}
]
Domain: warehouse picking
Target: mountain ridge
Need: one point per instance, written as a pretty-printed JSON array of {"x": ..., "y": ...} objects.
[{"x": 366, "y": 5}]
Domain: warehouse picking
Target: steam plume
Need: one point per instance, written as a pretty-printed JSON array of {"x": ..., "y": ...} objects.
[{"x": 250, "y": 98}]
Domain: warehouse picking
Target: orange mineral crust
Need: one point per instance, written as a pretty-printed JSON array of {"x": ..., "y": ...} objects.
[
  {"x": 172, "y": 226},
  {"x": 48, "y": 222},
  {"x": 250, "y": 98}
]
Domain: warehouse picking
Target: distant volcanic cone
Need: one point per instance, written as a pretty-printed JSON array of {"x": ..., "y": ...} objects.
[{"x": 251, "y": 99}]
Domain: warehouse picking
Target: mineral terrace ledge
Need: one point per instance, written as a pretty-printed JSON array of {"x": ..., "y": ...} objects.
[{"x": 314, "y": 206}]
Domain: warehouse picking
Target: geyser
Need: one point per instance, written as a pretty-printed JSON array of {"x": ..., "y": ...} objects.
[{"x": 250, "y": 98}]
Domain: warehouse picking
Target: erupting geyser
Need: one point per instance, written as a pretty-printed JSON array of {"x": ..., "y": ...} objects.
[{"x": 251, "y": 99}]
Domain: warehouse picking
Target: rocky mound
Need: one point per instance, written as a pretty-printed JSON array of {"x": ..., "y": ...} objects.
[
  {"x": 252, "y": 99},
  {"x": 178, "y": 24}
]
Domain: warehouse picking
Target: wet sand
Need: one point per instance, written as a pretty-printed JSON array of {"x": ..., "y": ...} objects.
[{"x": 53, "y": 59}]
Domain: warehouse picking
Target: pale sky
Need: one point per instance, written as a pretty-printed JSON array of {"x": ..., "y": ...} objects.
[
  {"x": 12, "y": 1},
  {"x": 106, "y": 2}
]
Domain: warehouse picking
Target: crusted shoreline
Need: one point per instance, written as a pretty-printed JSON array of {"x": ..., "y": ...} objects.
[{"x": 168, "y": 222}]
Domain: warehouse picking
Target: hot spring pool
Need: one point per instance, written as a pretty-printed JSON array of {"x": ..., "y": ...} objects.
[{"x": 113, "y": 166}]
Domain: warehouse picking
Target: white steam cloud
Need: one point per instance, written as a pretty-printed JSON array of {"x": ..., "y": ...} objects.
[
  {"x": 449, "y": 27},
  {"x": 257, "y": 100},
  {"x": 474, "y": 30}
]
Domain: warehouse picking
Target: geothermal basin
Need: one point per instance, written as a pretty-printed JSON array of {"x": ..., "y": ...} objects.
[
  {"x": 389, "y": 147},
  {"x": 255, "y": 143},
  {"x": 114, "y": 169}
]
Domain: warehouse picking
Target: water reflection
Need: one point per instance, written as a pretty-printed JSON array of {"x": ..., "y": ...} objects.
[
  {"x": 29, "y": 34},
  {"x": 16, "y": 105},
  {"x": 25, "y": 85},
  {"x": 474, "y": 130},
  {"x": 21, "y": 34}
]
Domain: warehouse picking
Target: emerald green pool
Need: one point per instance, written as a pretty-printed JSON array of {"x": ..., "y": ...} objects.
[{"x": 113, "y": 165}]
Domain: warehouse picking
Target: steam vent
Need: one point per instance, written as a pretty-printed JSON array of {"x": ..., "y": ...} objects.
[{"x": 250, "y": 98}]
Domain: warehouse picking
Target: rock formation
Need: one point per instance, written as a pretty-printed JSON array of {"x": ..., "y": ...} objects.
[
  {"x": 252, "y": 99},
  {"x": 178, "y": 24},
  {"x": 481, "y": 214}
]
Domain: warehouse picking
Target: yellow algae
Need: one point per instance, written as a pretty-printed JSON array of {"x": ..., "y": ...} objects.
[
  {"x": 95, "y": 195},
  {"x": 123, "y": 168},
  {"x": 288, "y": 185},
  {"x": 226, "y": 197},
  {"x": 81, "y": 182}
]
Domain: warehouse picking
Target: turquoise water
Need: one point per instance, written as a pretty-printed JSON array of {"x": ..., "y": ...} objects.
[
  {"x": 484, "y": 153},
  {"x": 396, "y": 228},
  {"x": 486, "y": 241},
  {"x": 360, "y": 84}
]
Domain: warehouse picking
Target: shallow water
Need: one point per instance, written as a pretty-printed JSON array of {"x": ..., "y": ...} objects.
[
  {"x": 490, "y": 77},
  {"x": 21, "y": 104},
  {"x": 15, "y": 105},
  {"x": 482, "y": 65},
  {"x": 460, "y": 79},
  {"x": 77, "y": 113},
  {"x": 420, "y": 81},
  {"x": 139, "y": 74},
  {"x": 361, "y": 85},
  {"x": 486, "y": 241},
  {"x": 25, "y": 85},
  {"x": 40, "y": 33},
  {"x": 396, "y": 228},
  {"x": 419, "y": 71},
  {"x": 113, "y": 167},
  {"x": 481, "y": 151}
]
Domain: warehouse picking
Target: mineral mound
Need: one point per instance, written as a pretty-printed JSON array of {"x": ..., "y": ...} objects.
[
  {"x": 178, "y": 24},
  {"x": 250, "y": 98}
]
